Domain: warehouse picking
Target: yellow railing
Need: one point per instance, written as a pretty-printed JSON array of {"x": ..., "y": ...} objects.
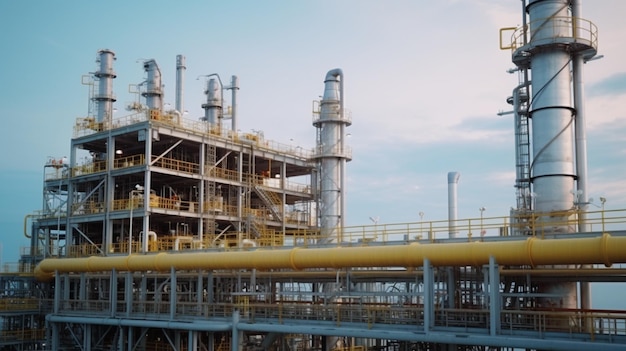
[
  {"x": 577, "y": 29},
  {"x": 88, "y": 125},
  {"x": 176, "y": 165},
  {"x": 129, "y": 161},
  {"x": 89, "y": 168},
  {"x": 532, "y": 224},
  {"x": 25, "y": 334},
  {"x": 17, "y": 304},
  {"x": 465, "y": 230}
]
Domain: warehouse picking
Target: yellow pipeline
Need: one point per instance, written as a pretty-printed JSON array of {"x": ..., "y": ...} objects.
[{"x": 604, "y": 249}]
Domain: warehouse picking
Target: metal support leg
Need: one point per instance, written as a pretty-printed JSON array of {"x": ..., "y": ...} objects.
[
  {"x": 429, "y": 296},
  {"x": 494, "y": 297}
]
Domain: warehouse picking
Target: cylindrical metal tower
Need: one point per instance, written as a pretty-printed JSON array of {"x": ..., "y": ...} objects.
[
  {"x": 104, "y": 97},
  {"x": 153, "y": 93},
  {"x": 332, "y": 156},
  {"x": 213, "y": 106},
  {"x": 555, "y": 41},
  {"x": 180, "y": 82}
]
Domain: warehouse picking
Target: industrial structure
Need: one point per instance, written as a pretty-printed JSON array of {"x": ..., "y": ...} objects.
[{"x": 163, "y": 233}]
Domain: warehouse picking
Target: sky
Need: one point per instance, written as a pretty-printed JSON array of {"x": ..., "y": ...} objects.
[{"x": 424, "y": 81}]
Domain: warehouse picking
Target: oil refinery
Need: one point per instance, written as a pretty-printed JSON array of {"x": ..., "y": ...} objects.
[{"x": 160, "y": 232}]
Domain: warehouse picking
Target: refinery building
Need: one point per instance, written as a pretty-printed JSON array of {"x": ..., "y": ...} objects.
[{"x": 160, "y": 232}]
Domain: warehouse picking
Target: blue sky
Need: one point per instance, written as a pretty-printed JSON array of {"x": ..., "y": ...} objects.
[{"x": 424, "y": 81}]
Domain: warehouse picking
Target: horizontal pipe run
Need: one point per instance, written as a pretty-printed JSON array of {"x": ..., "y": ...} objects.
[
  {"x": 604, "y": 249},
  {"x": 144, "y": 323}
]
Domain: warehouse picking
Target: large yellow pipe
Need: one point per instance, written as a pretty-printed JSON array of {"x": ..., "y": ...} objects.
[{"x": 604, "y": 249}]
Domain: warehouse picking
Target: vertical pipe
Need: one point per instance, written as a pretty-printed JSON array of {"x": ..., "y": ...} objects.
[
  {"x": 494, "y": 297},
  {"x": 234, "y": 85},
  {"x": 113, "y": 293},
  {"x": 146, "y": 192},
  {"x": 173, "y": 297},
  {"x": 453, "y": 180},
  {"x": 235, "y": 332},
  {"x": 104, "y": 97},
  {"x": 128, "y": 293},
  {"x": 581, "y": 146},
  {"x": 429, "y": 296},
  {"x": 180, "y": 82}
]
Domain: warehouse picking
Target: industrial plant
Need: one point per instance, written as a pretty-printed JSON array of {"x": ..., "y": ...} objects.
[{"x": 160, "y": 232}]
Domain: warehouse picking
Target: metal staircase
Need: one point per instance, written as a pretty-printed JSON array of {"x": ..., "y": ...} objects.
[{"x": 271, "y": 201}]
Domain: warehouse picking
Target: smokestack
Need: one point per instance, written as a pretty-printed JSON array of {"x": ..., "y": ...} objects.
[{"x": 453, "y": 180}]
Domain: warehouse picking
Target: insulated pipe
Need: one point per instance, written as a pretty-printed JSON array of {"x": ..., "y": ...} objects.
[
  {"x": 453, "y": 181},
  {"x": 104, "y": 98},
  {"x": 604, "y": 249},
  {"x": 180, "y": 82},
  {"x": 153, "y": 93}
]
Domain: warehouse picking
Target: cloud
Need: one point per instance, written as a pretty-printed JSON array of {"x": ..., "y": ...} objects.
[{"x": 611, "y": 86}]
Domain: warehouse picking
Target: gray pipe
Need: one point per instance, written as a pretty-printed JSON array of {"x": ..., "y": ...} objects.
[
  {"x": 453, "y": 180},
  {"x": 234, "y": 85},
  {"x": 581, "y": 147},
  {"x": 180, "y": 82}
]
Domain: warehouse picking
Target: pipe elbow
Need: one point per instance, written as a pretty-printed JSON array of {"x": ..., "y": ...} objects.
[
  {"x": 333, "y": 74},
  {"x": 41, "y": 275}
]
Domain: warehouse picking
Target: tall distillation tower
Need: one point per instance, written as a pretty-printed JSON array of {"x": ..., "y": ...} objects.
[
  {"x": 332, "y": 155},
  {"x": 104, "y": 98},
  {"x": 553, "y": 43}
]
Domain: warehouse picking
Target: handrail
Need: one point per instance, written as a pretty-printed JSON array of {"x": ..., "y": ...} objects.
[
  {"x": 563, "y": 27},
  {"x": 87, "y": 126}
]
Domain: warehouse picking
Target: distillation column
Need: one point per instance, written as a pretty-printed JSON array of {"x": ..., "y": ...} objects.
[
  {"x": 153, "y": 93},
  {"x": 332, "y": 157},
  {"x": 213, "y": 106},
  {"x": 104, "y": 98},
  {"x": 554, "y": 41}
]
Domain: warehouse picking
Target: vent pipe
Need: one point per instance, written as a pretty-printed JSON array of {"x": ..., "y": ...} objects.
[
  {"x": 453, "y": 180},
  {"x": 234, "y": 85},
  {"x": 180, "y": 82}
]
